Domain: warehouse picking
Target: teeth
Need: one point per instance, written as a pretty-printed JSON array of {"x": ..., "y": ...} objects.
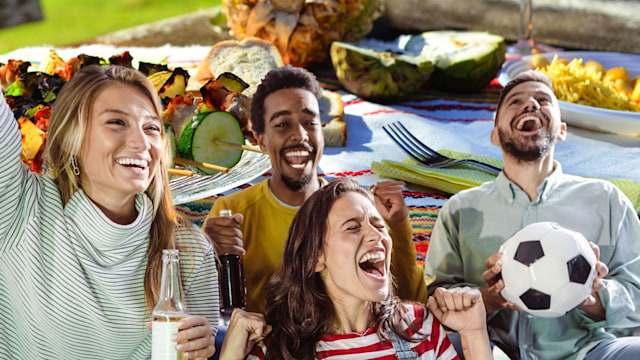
[
  {"x": 132, "y": 162},
  {"x": 298, "y": 153},
  {"x": 522, "y": 121},
  {"x": 372, "y": 257}
]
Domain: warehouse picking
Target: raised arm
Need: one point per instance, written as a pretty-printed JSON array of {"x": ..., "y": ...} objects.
[
  {"x": 12, "y": 173},
  {"x": 10, "y": 145},
  {"x": 462, "y": 310},
  {"x": 410, "y": 284}
]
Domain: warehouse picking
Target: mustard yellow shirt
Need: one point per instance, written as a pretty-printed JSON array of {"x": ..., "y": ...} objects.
[{"x": 265, "y": 228}]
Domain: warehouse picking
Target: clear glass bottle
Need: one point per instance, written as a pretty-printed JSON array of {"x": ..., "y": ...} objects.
[
  {"x": 232, "y": 290},
  {"x": 169, "y": 309}
]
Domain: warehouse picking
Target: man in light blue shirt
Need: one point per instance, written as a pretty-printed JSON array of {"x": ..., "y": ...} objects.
[{"x": 531, "y": 188}]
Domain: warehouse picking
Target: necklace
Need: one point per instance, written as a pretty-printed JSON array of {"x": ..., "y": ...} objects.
[{"x": 338, "y": 331}]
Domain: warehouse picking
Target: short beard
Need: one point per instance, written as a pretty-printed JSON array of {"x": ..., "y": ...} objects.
[
  {"x": 296, "y": 185},
  {"x": 515, "y": 148}
]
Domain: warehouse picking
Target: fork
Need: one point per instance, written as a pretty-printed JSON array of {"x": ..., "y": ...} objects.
[{"x": 424, "y": 154}]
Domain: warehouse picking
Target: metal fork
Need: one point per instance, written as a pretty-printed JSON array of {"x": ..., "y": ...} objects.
[{"x": 424, "y": 154}]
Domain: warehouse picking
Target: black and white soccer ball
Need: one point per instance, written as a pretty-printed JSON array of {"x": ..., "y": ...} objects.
[{"x": 547, "y": 269}]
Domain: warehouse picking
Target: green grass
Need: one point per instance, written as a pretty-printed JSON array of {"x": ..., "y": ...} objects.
[{"x": 69, "y": 22}]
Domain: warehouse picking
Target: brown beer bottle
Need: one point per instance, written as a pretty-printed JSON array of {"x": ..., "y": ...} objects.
[
  {"x": 232, "y": 290},
  {"x": 169, "y": 309}
]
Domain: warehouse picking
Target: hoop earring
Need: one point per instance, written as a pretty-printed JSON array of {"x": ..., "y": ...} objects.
[{"x": 74, "y": 165}]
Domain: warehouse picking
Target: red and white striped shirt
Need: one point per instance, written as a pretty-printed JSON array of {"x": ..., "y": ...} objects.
[{"x": 367, "y": 345}]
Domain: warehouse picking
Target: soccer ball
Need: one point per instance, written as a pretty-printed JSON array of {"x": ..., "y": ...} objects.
[{"x": 547, "y": 270}]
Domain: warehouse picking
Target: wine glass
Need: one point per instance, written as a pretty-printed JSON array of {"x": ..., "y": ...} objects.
[{"x": 525, "y": 44}]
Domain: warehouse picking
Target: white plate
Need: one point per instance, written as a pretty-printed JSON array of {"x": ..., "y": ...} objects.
[
  {"x": 187, "y": 189},
  {"x": 605, "y": 120}
]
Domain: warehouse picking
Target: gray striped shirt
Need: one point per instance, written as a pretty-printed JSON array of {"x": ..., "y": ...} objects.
[{"x": 71, "y": 280}]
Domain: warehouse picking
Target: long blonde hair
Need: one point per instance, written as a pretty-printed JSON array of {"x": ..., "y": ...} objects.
[{"x": 69, "y": 121}]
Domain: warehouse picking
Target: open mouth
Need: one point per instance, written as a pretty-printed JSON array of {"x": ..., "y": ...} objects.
[
  {"x": 298, "y": 158},
  {"x": 528, "y": 123},
  {"x": 133, "y": 163},
  {"x": 373, "y": 263}
]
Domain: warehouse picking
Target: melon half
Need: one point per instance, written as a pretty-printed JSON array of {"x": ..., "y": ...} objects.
[
  {"x": 465, "y": 61},
  {"x": 378, "y": 73}
]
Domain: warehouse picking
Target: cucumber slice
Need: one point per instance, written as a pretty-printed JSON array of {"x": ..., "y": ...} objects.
[{"x": 198, "y": 140}]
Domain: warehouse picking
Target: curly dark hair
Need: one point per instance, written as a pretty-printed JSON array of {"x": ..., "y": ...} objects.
[
  {"x": 298, "y": 305},
  {"x": 286, "y": 77}
]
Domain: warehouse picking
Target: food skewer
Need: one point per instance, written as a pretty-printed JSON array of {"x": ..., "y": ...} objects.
[
  {"x": 198, "y": 142},
  {"x": 180, "y": 172},
  {"x": 201, "y": 165},
  {"x": 237, "y": 146}
]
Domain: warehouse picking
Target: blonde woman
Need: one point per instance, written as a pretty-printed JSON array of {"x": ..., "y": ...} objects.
[{"x": 81, "y": 246}]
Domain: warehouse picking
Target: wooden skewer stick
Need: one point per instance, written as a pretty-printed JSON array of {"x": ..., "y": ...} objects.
[
  {"x": 201, "y": 165},
  {"x": 180, "y": 172},
  {"x": 237, "y": 146}
]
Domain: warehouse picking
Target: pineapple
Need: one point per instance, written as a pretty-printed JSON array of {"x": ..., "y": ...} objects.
[{"x": 302, "y": 29}]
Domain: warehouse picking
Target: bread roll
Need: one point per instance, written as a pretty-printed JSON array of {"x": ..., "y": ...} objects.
[
  {"x": 250, "y": 59},
  {"x": 332, "y": 116}
]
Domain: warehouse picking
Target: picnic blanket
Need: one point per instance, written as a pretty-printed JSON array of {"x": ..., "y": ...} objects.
[
  {"x": 423, "y": 203},
  {"x": 456, "y": 121},
  {"x": 460, "y": 123}
]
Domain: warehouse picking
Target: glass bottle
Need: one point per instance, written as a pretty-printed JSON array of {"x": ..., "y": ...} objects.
[
  {"x": 169, "y": 309},
  {"x": 232, "y": 290}
]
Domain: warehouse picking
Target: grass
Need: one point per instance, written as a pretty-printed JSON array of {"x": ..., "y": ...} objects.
[{"x": 72, "y": 21}]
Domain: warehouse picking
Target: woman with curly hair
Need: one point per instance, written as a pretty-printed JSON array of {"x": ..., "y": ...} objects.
[{"x": 331, "y": 296}]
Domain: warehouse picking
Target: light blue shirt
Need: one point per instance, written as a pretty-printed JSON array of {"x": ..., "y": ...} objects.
[{"x": 474, "y": 223}]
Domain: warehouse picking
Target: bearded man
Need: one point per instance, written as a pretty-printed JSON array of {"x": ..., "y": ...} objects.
[{"x": 464, "y": 247}]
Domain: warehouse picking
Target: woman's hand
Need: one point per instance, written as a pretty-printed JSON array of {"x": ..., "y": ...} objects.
[
  {"x": 460, "y": 309},
  {"x": 245, "y": 329},
  {"x": 194, "y": 337}
]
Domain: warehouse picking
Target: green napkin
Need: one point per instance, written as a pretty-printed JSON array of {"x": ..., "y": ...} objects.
[
  {"x": 459, "y": 177},
  {"x": 629, "y": 188}
]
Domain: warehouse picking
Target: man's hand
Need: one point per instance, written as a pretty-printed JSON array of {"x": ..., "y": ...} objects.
[
  {"x": 225, "y": 234},
  {"x": 592, "y": 303},
  {"x": 389, "y": 200},
  {"x": 491, "y": 296}
]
